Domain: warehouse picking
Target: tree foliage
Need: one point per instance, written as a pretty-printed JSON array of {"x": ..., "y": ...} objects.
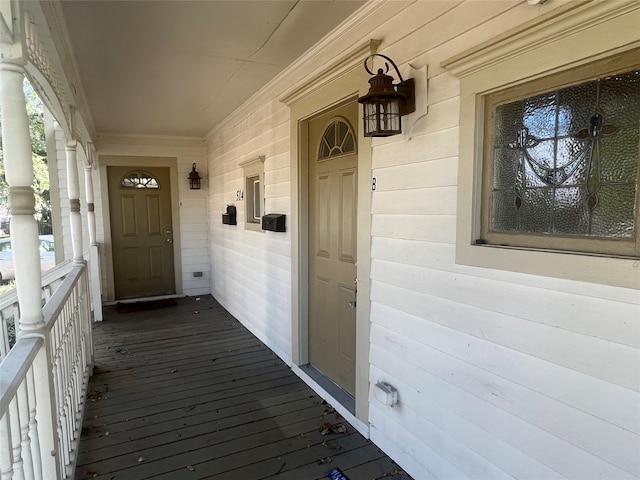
[{"x": 35, "y": 113}]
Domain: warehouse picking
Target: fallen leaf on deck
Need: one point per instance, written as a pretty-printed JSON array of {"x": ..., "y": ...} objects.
[
  {"x": 328, "y": 428},
  {"x": 191, "y": 468},
  {"x": 340, "y": 428}
]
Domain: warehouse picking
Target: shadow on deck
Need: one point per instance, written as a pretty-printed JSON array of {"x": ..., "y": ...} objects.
[{"x": 186, "y": 392}]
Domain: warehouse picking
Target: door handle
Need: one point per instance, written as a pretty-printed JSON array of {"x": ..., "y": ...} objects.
[
  {"x": 353, "y": 303},
  {"x": 169, "y": 240}
]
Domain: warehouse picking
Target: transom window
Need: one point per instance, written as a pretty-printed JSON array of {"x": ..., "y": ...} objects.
[
  {"x": 139, "y": 179},
  {"x": 337, "y": 139},
  {"x": 561, "y": 165}
]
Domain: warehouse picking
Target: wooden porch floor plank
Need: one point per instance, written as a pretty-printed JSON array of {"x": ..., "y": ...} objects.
[
  {"x": 189, "y": 439},
  {"x": 345, "y": 460},
  {"x": 119, "y": 415},
  {"x": 176, "y": 389},
  {"x": 168, "y": 390},
  {"x": 127, "y": 387},
  {"x": 287, "y": 454},
  {"x": 179, "y": 455},
  {"x": 143, "y": 377},
  {"x": 125, "y": 432}
]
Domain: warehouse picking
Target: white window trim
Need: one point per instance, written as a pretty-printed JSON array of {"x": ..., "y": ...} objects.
[
  {"x": 252, "y": 168},
  {"x": 553, "y": 42}
]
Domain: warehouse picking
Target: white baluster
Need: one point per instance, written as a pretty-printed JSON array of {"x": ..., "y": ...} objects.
[
  {"x": 33, "y": 426},
  {"x": 16, "y": 445},
  {"x": 25, "y": 441},
  {"x": 6, "y": 458}
]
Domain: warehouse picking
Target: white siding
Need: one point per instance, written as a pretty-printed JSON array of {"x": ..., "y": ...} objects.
[
  {"x": 194, "y": 227},
  {"x": 500, "y": 374},
  {"x": 251, "y": 271}
]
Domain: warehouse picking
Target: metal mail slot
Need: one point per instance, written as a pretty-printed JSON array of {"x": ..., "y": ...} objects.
[{"x": 274, "y": 222}]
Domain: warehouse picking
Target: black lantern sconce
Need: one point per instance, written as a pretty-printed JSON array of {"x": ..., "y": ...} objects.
[
  {"x": 386, "y": 102},
  {"x": 194, "y": 178}
]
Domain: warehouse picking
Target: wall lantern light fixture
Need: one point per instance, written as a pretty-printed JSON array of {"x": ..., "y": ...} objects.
[
  {"x": 194, "y": 178},
  {"x": 386, "y": 102}
]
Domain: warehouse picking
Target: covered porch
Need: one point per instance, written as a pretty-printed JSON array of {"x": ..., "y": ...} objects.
[
  {"x": 185, "y": 391},
  {"x": 467, "y": 357}
]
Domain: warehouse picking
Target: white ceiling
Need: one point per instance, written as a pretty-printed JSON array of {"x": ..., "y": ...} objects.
[{"x": 180, "y": 67}]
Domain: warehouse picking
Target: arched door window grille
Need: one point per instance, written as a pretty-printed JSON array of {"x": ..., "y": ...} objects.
[
  {"x": 139, "y": 179},
  {"x": 337, "y": 139}
]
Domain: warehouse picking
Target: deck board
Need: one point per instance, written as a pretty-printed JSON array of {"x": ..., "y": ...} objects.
[{"x": 186, "y": 392}]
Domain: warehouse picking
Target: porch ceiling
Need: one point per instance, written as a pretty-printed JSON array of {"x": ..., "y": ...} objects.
[{"x": 180, "y": 67}]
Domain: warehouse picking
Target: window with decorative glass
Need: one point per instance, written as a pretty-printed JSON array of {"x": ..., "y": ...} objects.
[
  {"x": 560, "y": 168},
  {"x": 337, "y": 139}
]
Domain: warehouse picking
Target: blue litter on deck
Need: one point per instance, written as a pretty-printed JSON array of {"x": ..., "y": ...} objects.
[{"x": 336, "y": 474}]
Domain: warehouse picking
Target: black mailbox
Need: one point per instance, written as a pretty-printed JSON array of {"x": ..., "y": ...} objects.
[
  {"x": 274, "y": 222},
  {"x": 229, "y": 218}
]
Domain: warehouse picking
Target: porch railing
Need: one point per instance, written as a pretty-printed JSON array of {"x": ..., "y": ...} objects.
[
  {"x": 10, "y": 310},
  {"x": 43, "y": 383}
]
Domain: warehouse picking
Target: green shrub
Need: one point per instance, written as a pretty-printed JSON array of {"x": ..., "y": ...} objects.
[
  {"x": 11, "y": 331},
  {"x": 11, "y": 323}
]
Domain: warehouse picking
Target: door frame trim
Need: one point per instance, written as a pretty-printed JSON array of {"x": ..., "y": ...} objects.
[
  {"x": 139, "y": 162},
  {"x": 338, "y": 91}
]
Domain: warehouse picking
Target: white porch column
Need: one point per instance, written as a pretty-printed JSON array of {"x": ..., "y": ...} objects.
[
  {"x": 19, "y": 174},
  {"x": 73, "y": 187},
  {"x": 94, "y": 259},
  {"x": 18, "y": 165},
  {"x": 91, "y": 215}
]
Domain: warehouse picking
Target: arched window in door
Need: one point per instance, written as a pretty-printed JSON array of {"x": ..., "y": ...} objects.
[
  {"x": 337, "y": 139},
  {"x": 139, "y": 179}
]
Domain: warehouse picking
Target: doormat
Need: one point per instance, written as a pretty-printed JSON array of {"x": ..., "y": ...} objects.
[{"x": 141, "y": 306}]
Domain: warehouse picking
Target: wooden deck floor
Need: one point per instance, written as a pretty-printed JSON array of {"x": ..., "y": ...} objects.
[{"x": 186, "y": 392}]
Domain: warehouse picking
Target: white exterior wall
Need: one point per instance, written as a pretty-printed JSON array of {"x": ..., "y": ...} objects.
[
  {"x": 500, "y": 374},
  {"x": 251, "y": 271}
]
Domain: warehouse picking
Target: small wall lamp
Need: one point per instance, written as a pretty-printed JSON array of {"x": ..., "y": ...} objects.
[
  {"x": 194, "y": 178},
  {"x": 386, "y": 102}
]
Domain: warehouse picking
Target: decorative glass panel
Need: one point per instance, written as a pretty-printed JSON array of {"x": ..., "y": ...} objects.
[
  {"x": 338, "y": 139},
  {"x": 566, "y": 162},
  {"x": 139, "y": 180}
]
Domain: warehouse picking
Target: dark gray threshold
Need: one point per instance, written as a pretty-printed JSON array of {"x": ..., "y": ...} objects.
[{"x": 345, "y": 399}]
